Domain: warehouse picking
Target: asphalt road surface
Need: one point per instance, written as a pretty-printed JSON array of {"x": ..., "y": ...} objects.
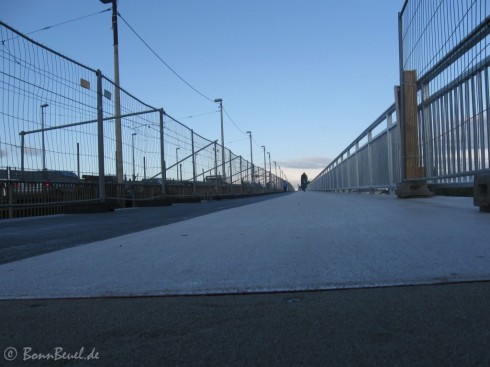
[
  {"x": 443, "y": 325},
  {"x": 26, "y": 237},
  {"x": 424, "y": 325}
]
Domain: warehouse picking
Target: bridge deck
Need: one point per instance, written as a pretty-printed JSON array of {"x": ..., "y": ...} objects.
[{"x": 302, "y": 241}]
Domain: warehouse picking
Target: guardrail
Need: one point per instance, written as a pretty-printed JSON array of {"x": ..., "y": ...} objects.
[{"x": 370, "y": 162}]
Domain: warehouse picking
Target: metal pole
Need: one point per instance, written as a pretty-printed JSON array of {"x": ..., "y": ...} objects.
[
  {"x": 144, "y": 168},
  {"x": 22, "y": 150},
  {"x": 222, "y": 139},
  {"x": 251, "y": 157},
  {"x": 100, "y": 137},
  {"x": 270, "y": 169},
  {"x": 193, "y": 164},
  {"x": 241, "y": 176},
  {"x": 401, "y": 123},
  {"x": 162, "y": 153},
  {"x": 117, "y": 93},
  {"x": 78, "y": 160},
  {"x": 275, "y": 168},
  {"x": 43, "y": 106},
  {"x": 265, "y": 169},
  {"x": 216, "y": 167},
  {"x": 132, "y": 144},
  {"x": 177, "y": 161},
  {"x": 231, "y": 171}
]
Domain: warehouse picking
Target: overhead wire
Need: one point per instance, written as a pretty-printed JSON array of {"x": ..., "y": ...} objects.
[
  {"x": 177, "y": 75},
  {"x": 62, "y": 23},
  {"x": 163, "y": 61},
  {"x": 233, "y": 122},
  {"x": 199, "y": 115}
]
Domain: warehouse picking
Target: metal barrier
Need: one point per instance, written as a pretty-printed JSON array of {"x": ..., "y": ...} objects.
[
  {"x": 447, "y": 46},
  {"x": 370, "y": 162},
  {"x": 58, "y": 115}
]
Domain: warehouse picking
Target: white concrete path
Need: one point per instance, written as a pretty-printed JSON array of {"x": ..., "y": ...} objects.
[{"x": 302, "y": 241}]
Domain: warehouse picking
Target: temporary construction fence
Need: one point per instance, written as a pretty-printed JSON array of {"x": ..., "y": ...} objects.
[
  {"x": 61, "y": 140},
  {"x": 444, "y": 58}
]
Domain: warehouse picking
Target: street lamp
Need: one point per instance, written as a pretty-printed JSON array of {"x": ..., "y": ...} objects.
[
  {"x": 132, "y": 139},
  {"x": 177, "y": 159},
  {"x": 220, "y": 101},
  {"x": 43, "y": 106},
  {"x": 251, "y": 156},
  {"x": 117, "y": 93}
]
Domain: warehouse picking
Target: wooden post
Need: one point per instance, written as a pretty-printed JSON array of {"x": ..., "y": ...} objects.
[
  {"x": 411, "y": 140},
  {"x": 413, "y": 183}
]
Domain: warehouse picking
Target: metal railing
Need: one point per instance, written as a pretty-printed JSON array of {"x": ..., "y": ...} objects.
[
  {"x": 370, "y": 162},
  {"x": 447, "y": 43}
]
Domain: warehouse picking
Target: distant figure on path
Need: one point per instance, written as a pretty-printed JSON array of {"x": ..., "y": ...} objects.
[{"x": 304, "y": 181}]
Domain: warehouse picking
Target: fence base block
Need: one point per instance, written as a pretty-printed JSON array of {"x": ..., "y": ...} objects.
[
  {"x": 82, "y": 208},
  {"x": 413, "y": 189},
  {"x": 481, "y": 195}
]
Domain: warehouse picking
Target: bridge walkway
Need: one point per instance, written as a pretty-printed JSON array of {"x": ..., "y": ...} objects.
[
  {"x": 302, "y": 241},
  {"x": 293, "y": 243}
]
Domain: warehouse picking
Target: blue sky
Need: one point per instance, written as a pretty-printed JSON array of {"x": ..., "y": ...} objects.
[{"x": 305, "y": 76}]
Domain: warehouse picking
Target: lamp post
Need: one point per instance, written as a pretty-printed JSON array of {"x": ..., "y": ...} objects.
[
  {"x": 43, "y": 106},
  {"x": 265, "y": 169},
  {"x": 177, "y": 161},
  {"x": 251, "y": 156},
  {"x": 117, "y": 93},
  {"x": 220, "y": 101},
  {"x": 132, "y": 140}
]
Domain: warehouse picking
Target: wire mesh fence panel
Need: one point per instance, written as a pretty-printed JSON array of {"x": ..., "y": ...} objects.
[
  {"x": 447, "y": 43},
  {"x": 139, "y": 134},
  {"x": 64, "y": 122},
  {"x": 43, "y": 91},
  {"x": 205, "y": 158},
  {"x": 178, "y": 150}
]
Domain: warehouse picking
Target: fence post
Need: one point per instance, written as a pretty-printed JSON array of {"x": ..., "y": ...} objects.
[
  {"x": 215, "y": 168},
  {"x": 193, "y": 164},
  {"x": 348, "y": 171},
  {"x": 231, "y": 176},
  {"x": 370, "y": 160},
  {"x": 389, "y": 122},
  {"x": 162, "y": 153},
  {"x": 78, "y": 160},
  {"x": 413, "y": 183},
  {"x": 100, "y": 138},
  {"x": 357, "y": 166},
  {"x": 399, "y": 96},
  {"x": 10, "y": 195},
  {"x": 241, "y": 176},
  {"x": 22, "y": 152}
]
